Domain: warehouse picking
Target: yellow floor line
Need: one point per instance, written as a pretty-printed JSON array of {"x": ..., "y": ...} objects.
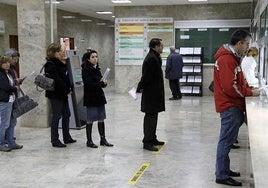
[
  {"x": 138, "y": 174},
  {"x": 159, "y": 148}
]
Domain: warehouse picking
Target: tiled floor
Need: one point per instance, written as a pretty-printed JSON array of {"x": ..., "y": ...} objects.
[{"x": 189, "y": 126}]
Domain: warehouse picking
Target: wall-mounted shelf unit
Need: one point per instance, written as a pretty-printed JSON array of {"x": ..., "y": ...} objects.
[{"x": 191, "y": 82}]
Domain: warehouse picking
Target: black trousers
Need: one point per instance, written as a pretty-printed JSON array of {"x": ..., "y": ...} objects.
[
  {"x": 175, "y": 88},
  {"x": 60, "y": 109},
  {"x": 149, "y": 128}
]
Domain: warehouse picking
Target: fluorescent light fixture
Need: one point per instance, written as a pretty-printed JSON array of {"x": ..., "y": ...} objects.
[
  {"x": 113, "y": 16},
  {"x": 196, "y": 0},
  {"x": 101, "y": 23},
  {"x": 121, "y": 1},
  {"x": 86, "y": 20},
  {"x": 53, "y": 2},
  {"x": 68, "y": 17},
  {"x": 104, "y": 12}
]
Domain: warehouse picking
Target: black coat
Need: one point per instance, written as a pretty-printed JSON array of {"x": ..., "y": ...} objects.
[
  {"x": 93, "y": 92},
  {"x": 58, "y": 71},
  {"x": 5, "y": 88},
  {"x": 152, "y": 84}
]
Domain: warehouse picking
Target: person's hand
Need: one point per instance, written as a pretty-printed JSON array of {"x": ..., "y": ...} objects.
[
  {"x": 20, "y": 80},
  {"x": 140, "y": 91},
  {"x": 104, "y": 81},
  {"x": 255, "y": 92}
]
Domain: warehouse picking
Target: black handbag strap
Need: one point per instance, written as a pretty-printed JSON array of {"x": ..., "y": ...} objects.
[
  {"x": 20, "y": 90},
  {"x": 42, "y": 68}
]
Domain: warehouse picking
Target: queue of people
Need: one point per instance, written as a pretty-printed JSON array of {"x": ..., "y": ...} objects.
[{"x": 230, "y": 90}]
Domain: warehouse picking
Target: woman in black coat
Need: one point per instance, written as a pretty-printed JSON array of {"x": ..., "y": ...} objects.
[
  {"x": 57, "y": 70},
  {"x": 94, "y": 98}
]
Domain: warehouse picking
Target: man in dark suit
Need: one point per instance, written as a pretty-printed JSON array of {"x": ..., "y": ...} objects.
[
  {"x": 151, "y": 86},
  {"x": 174, "y": 73}
]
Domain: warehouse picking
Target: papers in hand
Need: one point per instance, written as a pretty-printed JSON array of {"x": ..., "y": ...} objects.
[
  {"x": 133, "y": 94},
  {"x": 106, "y": 73}
]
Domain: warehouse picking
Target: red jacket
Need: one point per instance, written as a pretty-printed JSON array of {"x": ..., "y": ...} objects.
[{"x": 230, "y": 86}]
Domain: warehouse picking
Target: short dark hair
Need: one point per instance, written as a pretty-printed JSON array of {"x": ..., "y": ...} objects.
[
  {"x": 239, "y": 35},
  {"x": 87, "y": 55},
  {"x": 155, "y": 42}
]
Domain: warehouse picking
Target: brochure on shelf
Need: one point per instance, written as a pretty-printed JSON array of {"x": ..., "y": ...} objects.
[
  {"x": 197, "y": 68},
  {"x": 198, "y": 79},
  {"x": 186, "y": 50},
  {"x": 196, "y": 59},
  {"x": 196, "y": 89},
  {"x": 190, "y": 79},
  {"x": 197, "y": 50},
  {"x": 187, "y": 68}
]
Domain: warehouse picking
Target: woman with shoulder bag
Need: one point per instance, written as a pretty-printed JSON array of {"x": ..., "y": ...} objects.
[{"x": 57, "y": 70}]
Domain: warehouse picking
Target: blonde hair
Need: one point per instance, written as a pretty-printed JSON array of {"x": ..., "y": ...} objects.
[
  {"x": 253, "y": 51},
  {"x": 3, "y": 60},
  {"x": 52, "y": 49}
]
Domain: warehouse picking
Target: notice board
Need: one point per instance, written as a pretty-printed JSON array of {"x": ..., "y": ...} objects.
[
  {"x": 132, "y": 37},
  {"x": 208, "y": 38}
]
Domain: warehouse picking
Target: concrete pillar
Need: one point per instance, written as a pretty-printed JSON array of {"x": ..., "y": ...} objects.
[{"x": 34, "y": 34}]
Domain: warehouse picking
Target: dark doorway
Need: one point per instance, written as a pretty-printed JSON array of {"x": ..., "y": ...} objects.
[{"x": 14, "y": 43}]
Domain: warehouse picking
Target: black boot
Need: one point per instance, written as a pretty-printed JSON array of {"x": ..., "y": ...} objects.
[
  {"x": 103, "y": 141},
  {"x": 89, "y": 139}
]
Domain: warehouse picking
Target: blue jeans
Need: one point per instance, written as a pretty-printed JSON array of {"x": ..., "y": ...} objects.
[
  {"x": 231, "y": 120},
  {"x": 7, "y": 124}
]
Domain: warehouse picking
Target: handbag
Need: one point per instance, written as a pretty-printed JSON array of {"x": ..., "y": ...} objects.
[
  {"x": 44, "y": 82},
  {"x": 23, "y": 105}
]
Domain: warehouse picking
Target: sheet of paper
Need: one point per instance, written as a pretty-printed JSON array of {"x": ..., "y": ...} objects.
[
  {"x": 106, "y": 73},
  {"x": 133, "y": 94},
  {"x": 29, "y": 75}
]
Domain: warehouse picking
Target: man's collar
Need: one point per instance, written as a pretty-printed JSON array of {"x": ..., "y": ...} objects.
[{"x": 233, "y": 51}]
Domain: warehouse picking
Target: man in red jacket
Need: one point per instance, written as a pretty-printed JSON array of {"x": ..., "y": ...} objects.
[{"x": 230, "y": 90}]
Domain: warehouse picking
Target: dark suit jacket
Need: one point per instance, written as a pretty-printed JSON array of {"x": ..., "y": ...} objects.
[{"x": 152, "y": 84}]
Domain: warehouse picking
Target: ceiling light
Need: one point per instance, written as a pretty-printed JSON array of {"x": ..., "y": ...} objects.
[
  {"x": 102, "y": 23},
  {"x": 196, "y": 0},
  {"x": 121, "y": 1},
  {"x": 104, "y": 12},
  {"x": 86, "y": 20},
  {"x": 53, "y": 2},
  {"x": 68, "y": 17}
]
